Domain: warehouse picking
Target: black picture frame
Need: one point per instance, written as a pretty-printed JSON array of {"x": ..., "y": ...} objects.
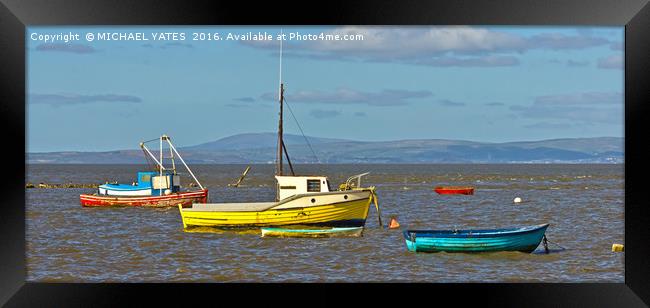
[{"x": 15, "y": 15}]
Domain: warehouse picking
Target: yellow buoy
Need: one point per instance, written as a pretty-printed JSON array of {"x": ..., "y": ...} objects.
[
  {"x": 618, "y": 248},
  {"x": 517, "y": 200}
]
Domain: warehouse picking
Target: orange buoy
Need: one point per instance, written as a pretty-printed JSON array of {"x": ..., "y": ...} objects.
[{"x": 393, "y": 223}]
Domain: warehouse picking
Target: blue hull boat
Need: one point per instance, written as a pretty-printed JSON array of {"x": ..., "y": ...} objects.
[{"x": 525, "y": 239}]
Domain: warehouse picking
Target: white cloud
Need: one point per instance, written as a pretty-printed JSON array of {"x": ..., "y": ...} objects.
[
  {"x": 556, "y": 41},
  {"x": 450, "y": 103},
  {"x": 582, "y": 108},
  {"x": 459, "y": 46},
  {"x": 324, "y": 114},
  {"x": 66, "y": 47},
  {"x": 585, "y": 98},
  {"x": 351, "y": 96},
  {"x": 611, "y": 62},
  {"x": 71, "y": 99},
  {"x": 486, "y": 61},
  {"x": 385, "y": 42}
]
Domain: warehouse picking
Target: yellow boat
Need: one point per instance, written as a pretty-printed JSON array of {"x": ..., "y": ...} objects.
[
  {"x": 347, "y": 207},
  {"x": 300, "y": 200}
]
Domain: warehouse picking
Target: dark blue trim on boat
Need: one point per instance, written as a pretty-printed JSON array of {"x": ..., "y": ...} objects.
[
  {"x": 341, "y": 223},
  {"x": 474, "y": 233},
  {"x": 334, "y": 224}
]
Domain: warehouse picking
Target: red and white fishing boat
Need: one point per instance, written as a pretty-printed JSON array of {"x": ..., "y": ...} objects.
[
  {"x": 185, "y": 199},
  {"x": 454, "y": 190},
  {"x": 159, "y": 188}
]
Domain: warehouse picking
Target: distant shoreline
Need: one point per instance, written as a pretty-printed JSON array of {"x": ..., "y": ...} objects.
[{"x": 261, "y": 149}]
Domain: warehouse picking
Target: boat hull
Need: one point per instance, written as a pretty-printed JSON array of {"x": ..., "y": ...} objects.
[
  {"x": 454, "y": 190},
  {"x": 298, "y": 211},
  {"x": 312, "y": 233},
  {"x": 524, "y": 239},
  {"x": 185, "y": 199}
]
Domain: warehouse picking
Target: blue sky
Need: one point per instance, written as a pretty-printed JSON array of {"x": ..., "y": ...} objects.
[{"x": 490, "y": 84}]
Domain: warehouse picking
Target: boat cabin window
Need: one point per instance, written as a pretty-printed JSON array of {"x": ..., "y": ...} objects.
[
  {"x": 145, "y": 178},
  {"x": 313, "y": 185}
]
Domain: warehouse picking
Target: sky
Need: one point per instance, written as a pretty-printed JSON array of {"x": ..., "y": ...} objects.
[{"x": 108, "y": 88}]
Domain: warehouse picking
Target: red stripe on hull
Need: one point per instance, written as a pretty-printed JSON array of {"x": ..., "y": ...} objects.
[{"x": 185, "y": 199}]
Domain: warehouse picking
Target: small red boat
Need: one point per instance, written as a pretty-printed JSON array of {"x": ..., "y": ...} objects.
[
  {"x": 185, "y": 198},
  {"x": 454, "y": 190}
]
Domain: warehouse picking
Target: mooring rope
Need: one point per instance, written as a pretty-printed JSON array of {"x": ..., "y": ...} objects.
[
  {"x": 555, "y": 244},
  {"x": 375, "y": 200},
  {"x": 545, "y": 242}
]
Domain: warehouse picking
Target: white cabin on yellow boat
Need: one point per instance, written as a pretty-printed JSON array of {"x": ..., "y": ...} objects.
[{"x": 294, "y": 185}]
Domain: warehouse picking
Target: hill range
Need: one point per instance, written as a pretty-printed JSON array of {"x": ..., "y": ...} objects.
[{"x": 260, "y": 148}]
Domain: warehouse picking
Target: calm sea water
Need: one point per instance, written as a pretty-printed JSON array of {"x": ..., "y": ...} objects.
[{"x": 583, "y": 203}]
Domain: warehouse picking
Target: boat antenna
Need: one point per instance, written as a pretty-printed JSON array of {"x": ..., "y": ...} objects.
[
  {"x": 280, "y": 94},
  {"x": 278, "y": 157},
  {"x": 281, "y": 146}
]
